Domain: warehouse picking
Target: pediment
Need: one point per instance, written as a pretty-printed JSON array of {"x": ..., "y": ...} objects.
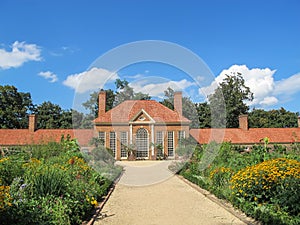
[{"x": 142, "y": 117}]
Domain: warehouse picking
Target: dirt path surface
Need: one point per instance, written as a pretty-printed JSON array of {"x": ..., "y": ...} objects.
[{"x": 148, "y": 193}]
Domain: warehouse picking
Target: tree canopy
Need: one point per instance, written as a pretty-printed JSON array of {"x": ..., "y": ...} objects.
[
  {"x": 235, "y": 94},
  {"x": 189, "y": 109},
  {"x": 273, "y": 118},
  {"x": 14, "y": 107}
]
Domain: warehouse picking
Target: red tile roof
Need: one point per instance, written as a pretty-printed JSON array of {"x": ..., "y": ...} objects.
[
  {"x": 10, "y": 137},
  {"x": 251, "y": 136},
  {"x": 127, "y": 110}
]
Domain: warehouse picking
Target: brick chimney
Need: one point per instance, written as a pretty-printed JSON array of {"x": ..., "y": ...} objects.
[
  {"x": 243, "y": 122},
  {"x": 101, "y": 103},
  {"x": 298, "y": 121},
  {"x": 32, "y": 122},
  {"x": 178, "y": 102}
]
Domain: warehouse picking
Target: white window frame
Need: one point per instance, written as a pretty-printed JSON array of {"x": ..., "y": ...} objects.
[
  {"x": 104, "y": 137},
  {"x": 170, "y": 139},
  {"x": 160, "y": 140},
  {"x": 124, "y": 143},
  {"x": 113, "y": 143},
  {"x": 144, "y": 141}
]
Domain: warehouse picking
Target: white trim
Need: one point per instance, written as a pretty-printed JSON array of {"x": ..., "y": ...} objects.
[
  {"x": 104, "y": 144},
  {"x": 130, "y": 134},
  {"x": 147, "y": 144},
  {"x": 162, "y": 140},
  {"x": 142, "y": 111},
  {"x": 152, "y": 139},
  {"x": 173, "y": 144},
  {"x": 116, "y": 147},
  {"x": 126, "y": 143}
]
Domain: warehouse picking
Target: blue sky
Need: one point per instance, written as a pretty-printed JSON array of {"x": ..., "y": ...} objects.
[{"x": 46, "y": 47}]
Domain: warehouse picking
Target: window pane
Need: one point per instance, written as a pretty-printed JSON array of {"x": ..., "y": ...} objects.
[
  {"x": 142, "y": 143},
  {"x": 160, "y": 143},
  {"x": 112, "y": 142},
  {"x": 124, "y": 143},
  {"x": 170, "y": 144},
  {"x": 102, "y": 138}
]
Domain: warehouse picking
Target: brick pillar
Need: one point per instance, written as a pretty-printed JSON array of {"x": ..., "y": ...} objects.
[
  {"x": 178, "y": 102},
  {"x": 102, "y": 103},
  {"x": 32, "y": 123},
  {"x": 243, "y": 122}
]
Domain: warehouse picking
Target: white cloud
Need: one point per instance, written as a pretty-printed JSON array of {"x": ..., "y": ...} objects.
[
  {"x": 288, "y": 86},
  {"x": 48, "y": 75},
  {"x": 19, "y": 54},
  {"x": 267, "y": 101},
  {"x": 155, "y": 88},
  {"x": 90, "y": 80},
  {"x": 260, "y": 81}
]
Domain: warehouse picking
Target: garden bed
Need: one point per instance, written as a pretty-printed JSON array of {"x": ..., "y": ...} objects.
[
  {"x": 264, "y": 183},
  {"x": 51, "y": 184}
]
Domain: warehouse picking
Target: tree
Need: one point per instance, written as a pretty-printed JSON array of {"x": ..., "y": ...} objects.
[
  {"x": 273, "y": 118},
  {"x": 92, "y": 103},
  {"x": 14, "y": 107},
  {"x": 234, "y": 93},
  {"x": 48, "y": 115},
  {"x": 125, "y": 92},
  {"x": 204, "y": 114},
  {"x": 189, "y": 110},
  {"x": 52, "y": 116}
]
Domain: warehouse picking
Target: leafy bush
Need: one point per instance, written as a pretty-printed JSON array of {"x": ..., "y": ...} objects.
[
  {"x": 261, "y": 182},
  {"x": 52, "y": 186},
  {"x": 264, "y": 183}
]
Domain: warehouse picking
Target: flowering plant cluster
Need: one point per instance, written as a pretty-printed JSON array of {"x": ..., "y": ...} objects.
[
  {"x": 220, "y": 176},
  {"x": 260, "y": 182},
  {"x": 52, "y": 187},
  {"x": 264, "y": 182}
]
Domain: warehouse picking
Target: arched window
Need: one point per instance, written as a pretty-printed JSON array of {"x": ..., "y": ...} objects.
[{"x": 142, "y": 143}]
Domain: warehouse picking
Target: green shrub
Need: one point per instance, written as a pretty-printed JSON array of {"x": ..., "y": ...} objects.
[
  {"x": 10, "y": 167},
  {"x": 47, "y": 180}
]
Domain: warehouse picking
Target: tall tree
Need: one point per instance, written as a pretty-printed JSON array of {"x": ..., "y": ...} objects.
[
  {"x": 125, "y": 92},
  {"x": 14, "y": 107},
  {"x": 52, "y": 116},
  {"x": 204, "y": 114},
  {"x": 48, "y": 115},
  {"x": 92, "y": 103},
  {"x": 234, "y": 93},
  {"x": 188, "y": 107}
]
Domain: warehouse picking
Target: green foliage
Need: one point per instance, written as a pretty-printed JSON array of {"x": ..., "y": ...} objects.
[
  {"x": 125, "y": 92},
  {"x": 47, "y": 180},
  {"x": 10, "y": 167},
  {"x": 234, "y": 93},
  {"x": 204, "y": 114},
  {"x": 273, "y": 118},
  {"x": 51, "y": 116},
  {"x": 58, "y": 187},
  {"x": 92, "y": 103},
  {"x": 14, "y": 107},
  {"x": 188, "y": 107},
  {"x": 264, "y": 182}
]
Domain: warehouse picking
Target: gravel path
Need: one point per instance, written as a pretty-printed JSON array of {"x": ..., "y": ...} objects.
[{"x": 148, "y": 193}]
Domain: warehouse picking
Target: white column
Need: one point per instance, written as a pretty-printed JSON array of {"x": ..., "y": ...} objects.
[
  {"x": 130, "y": 134},
  {"x": 152, "y": 139}
]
